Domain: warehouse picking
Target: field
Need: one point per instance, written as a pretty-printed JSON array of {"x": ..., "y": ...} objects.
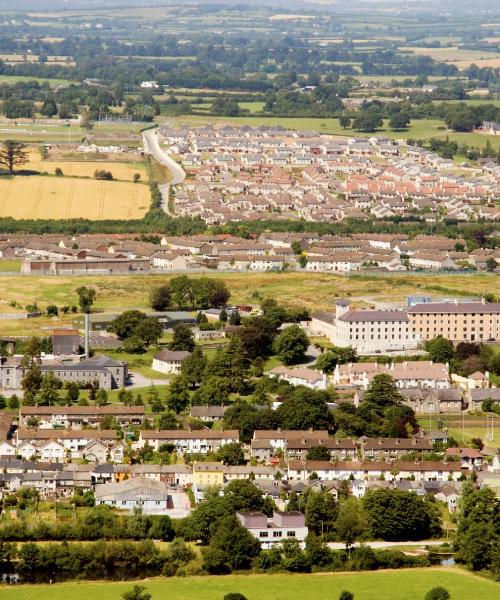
[
  {"x": 390, "y": 585},
  {"x": 38, "y": 197},
  {"x": 312, "y": 290},
  {"x": 81, "y": 167},
  {"x": 461, "y": 58}
]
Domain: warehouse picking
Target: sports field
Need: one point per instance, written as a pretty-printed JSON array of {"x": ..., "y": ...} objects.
[
  {"x": 407, "y": 584},
  {"x": 37, "y": 197}
]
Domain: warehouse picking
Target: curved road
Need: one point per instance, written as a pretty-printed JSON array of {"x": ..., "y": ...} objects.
[{"x": 152, "y": 146}]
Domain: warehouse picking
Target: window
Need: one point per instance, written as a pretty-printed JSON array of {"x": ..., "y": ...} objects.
[
  {"x": 263, "y": 534},
  {"x": 277, "y": 534},
  {"x": 290, "y": 534}
]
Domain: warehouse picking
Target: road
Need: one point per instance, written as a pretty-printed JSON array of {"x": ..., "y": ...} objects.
[
  {"x": 140, "y": 381},
  {"x": 381, "y": 545},
  {"x": 152, "y": 146}
]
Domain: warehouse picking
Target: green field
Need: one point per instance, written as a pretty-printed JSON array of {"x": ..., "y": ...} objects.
[
  {"x": 50, "y": 80},
  {"x": 388, "y": 585}
]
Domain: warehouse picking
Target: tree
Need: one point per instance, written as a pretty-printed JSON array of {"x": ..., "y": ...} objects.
[
  {"x": 86, "y": 121},
  {"x": 137, "y": 593},
  {"x": 382, "y": 391},
  {"x": 214, "y": 391},
  {"x": 318, "y": 453},
  {"x": 296, "y": 247},
  {"x": 150, "y": 330},
  {"x": 101, "y": 398},
  {"x": 440, "y": 349},
  {"x": 235, "y": 318},
  {"x": 193, "y": 367},
  {"x": 234, "y": 596},
  {"x": 305, "y": 409},
  {"x": 160, "y": 298},
  {"x": 231, "y": 454},
  {"x": 223, "y": 316},
  {"x": 86, "y": 298},
  {"x": 438, "y": 593},
  {"x": 166, "y": 421},
  {"x": 242, "y": 494},
  {"x": 367, "y": 121},
  {"x": 303, "y": 260},
  {"x": 257, "y": 336},
  {"x": 52, "y": 310},
  {"x": 396, "y": 515},
  {"x": 13, "y": 154},
  {"x": 345, "y": 595},
  {"x": 72, "y": 393},
  {"x": 491, "y": 264},
  {"x": 344, "y": 121},
  {"x": 126, "y": 324},
  {"x": 399, "y": 121},
  {"x": 350, "y": 524},
  {"x": 291, "y": 345},
  {"x": 183, "y": 339},
  {"x": 49, "y": 390},
  {"x": 320, "y": 511},
  {"x": 229, "y": 537},
  {"x": 178, "y": 395},
  {"x": 49, "y": 108}
]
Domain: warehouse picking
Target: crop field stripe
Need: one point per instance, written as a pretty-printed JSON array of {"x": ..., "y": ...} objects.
[{"x": 69, "y": 201}]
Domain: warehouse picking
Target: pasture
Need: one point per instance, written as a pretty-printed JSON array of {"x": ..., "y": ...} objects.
[
  {"x": 401, "y": 584},
  {"x": 38, "y": 197}
]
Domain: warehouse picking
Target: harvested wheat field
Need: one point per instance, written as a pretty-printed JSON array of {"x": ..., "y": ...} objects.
[
  {"x": 86, "y": 168},
  {"x": 64, "y": 198}
]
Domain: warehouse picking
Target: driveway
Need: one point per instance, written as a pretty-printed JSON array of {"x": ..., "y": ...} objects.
[
  {"x": 140, "y": 381},
  {"x": 381, "y": 545},
  {"x": 152, "y": 146}
]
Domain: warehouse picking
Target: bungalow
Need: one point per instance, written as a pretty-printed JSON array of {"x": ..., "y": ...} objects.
[{"x": 315, "y": 380}]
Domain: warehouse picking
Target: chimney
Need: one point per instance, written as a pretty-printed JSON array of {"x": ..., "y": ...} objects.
[
  {"x": 87, "y": 335},
  {"x": 483, "y": 300}
]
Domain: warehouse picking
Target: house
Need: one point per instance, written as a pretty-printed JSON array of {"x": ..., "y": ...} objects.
[
  {"x": 169, "y": 361},
  {"x": 139, "y": 493},
  {"x": 95, "y": 452},
  {"x": 315, "y": 380},
  {"x": 206, "y": 475},
  {"x": 79, "y": 417},
  {"x": 270, "y": 532},
  {"x": 475, "y": 397},
  {"x": 117, "y": 453},
  {"x": 386, "y": 448},
  {"x": 209, "y": 414},
  {"x": 470, "y": 458},
  {"x": 188, "y": 442}
]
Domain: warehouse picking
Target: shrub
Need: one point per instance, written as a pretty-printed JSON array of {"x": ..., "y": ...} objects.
[
  {"x": 438, "y": 593},
  {"x": 58, "y": 172},
  {"x": 103, "y": 174}
]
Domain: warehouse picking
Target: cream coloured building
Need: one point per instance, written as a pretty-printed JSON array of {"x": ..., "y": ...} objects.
[{"x": 456, "y": 321}]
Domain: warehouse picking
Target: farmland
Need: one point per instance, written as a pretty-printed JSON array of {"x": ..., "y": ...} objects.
[
  {"x": 392, "y": 585},
  {"x": 81, "y": 167},
  {"x": 38, "y": 197}
]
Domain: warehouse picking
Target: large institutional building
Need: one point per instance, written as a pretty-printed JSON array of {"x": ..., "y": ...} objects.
[
  {"x": 456, "y": 321},
  {"x": 377, "y": 331}
]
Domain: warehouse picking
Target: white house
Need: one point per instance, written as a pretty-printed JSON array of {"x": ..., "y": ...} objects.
[
  {"x": 282, "y": 526},
  {"x": 151, "y": 497},
  {"x": 169, "y": 361}
]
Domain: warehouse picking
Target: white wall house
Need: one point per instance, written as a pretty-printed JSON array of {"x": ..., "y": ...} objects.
[{"x": 169, "y": 361}]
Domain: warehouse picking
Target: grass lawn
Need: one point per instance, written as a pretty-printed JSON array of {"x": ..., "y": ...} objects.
[
  {"x": 16, "y": 78},
  {"x": 404, "y": 584},
  {"x": 139, "y": 363}
]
